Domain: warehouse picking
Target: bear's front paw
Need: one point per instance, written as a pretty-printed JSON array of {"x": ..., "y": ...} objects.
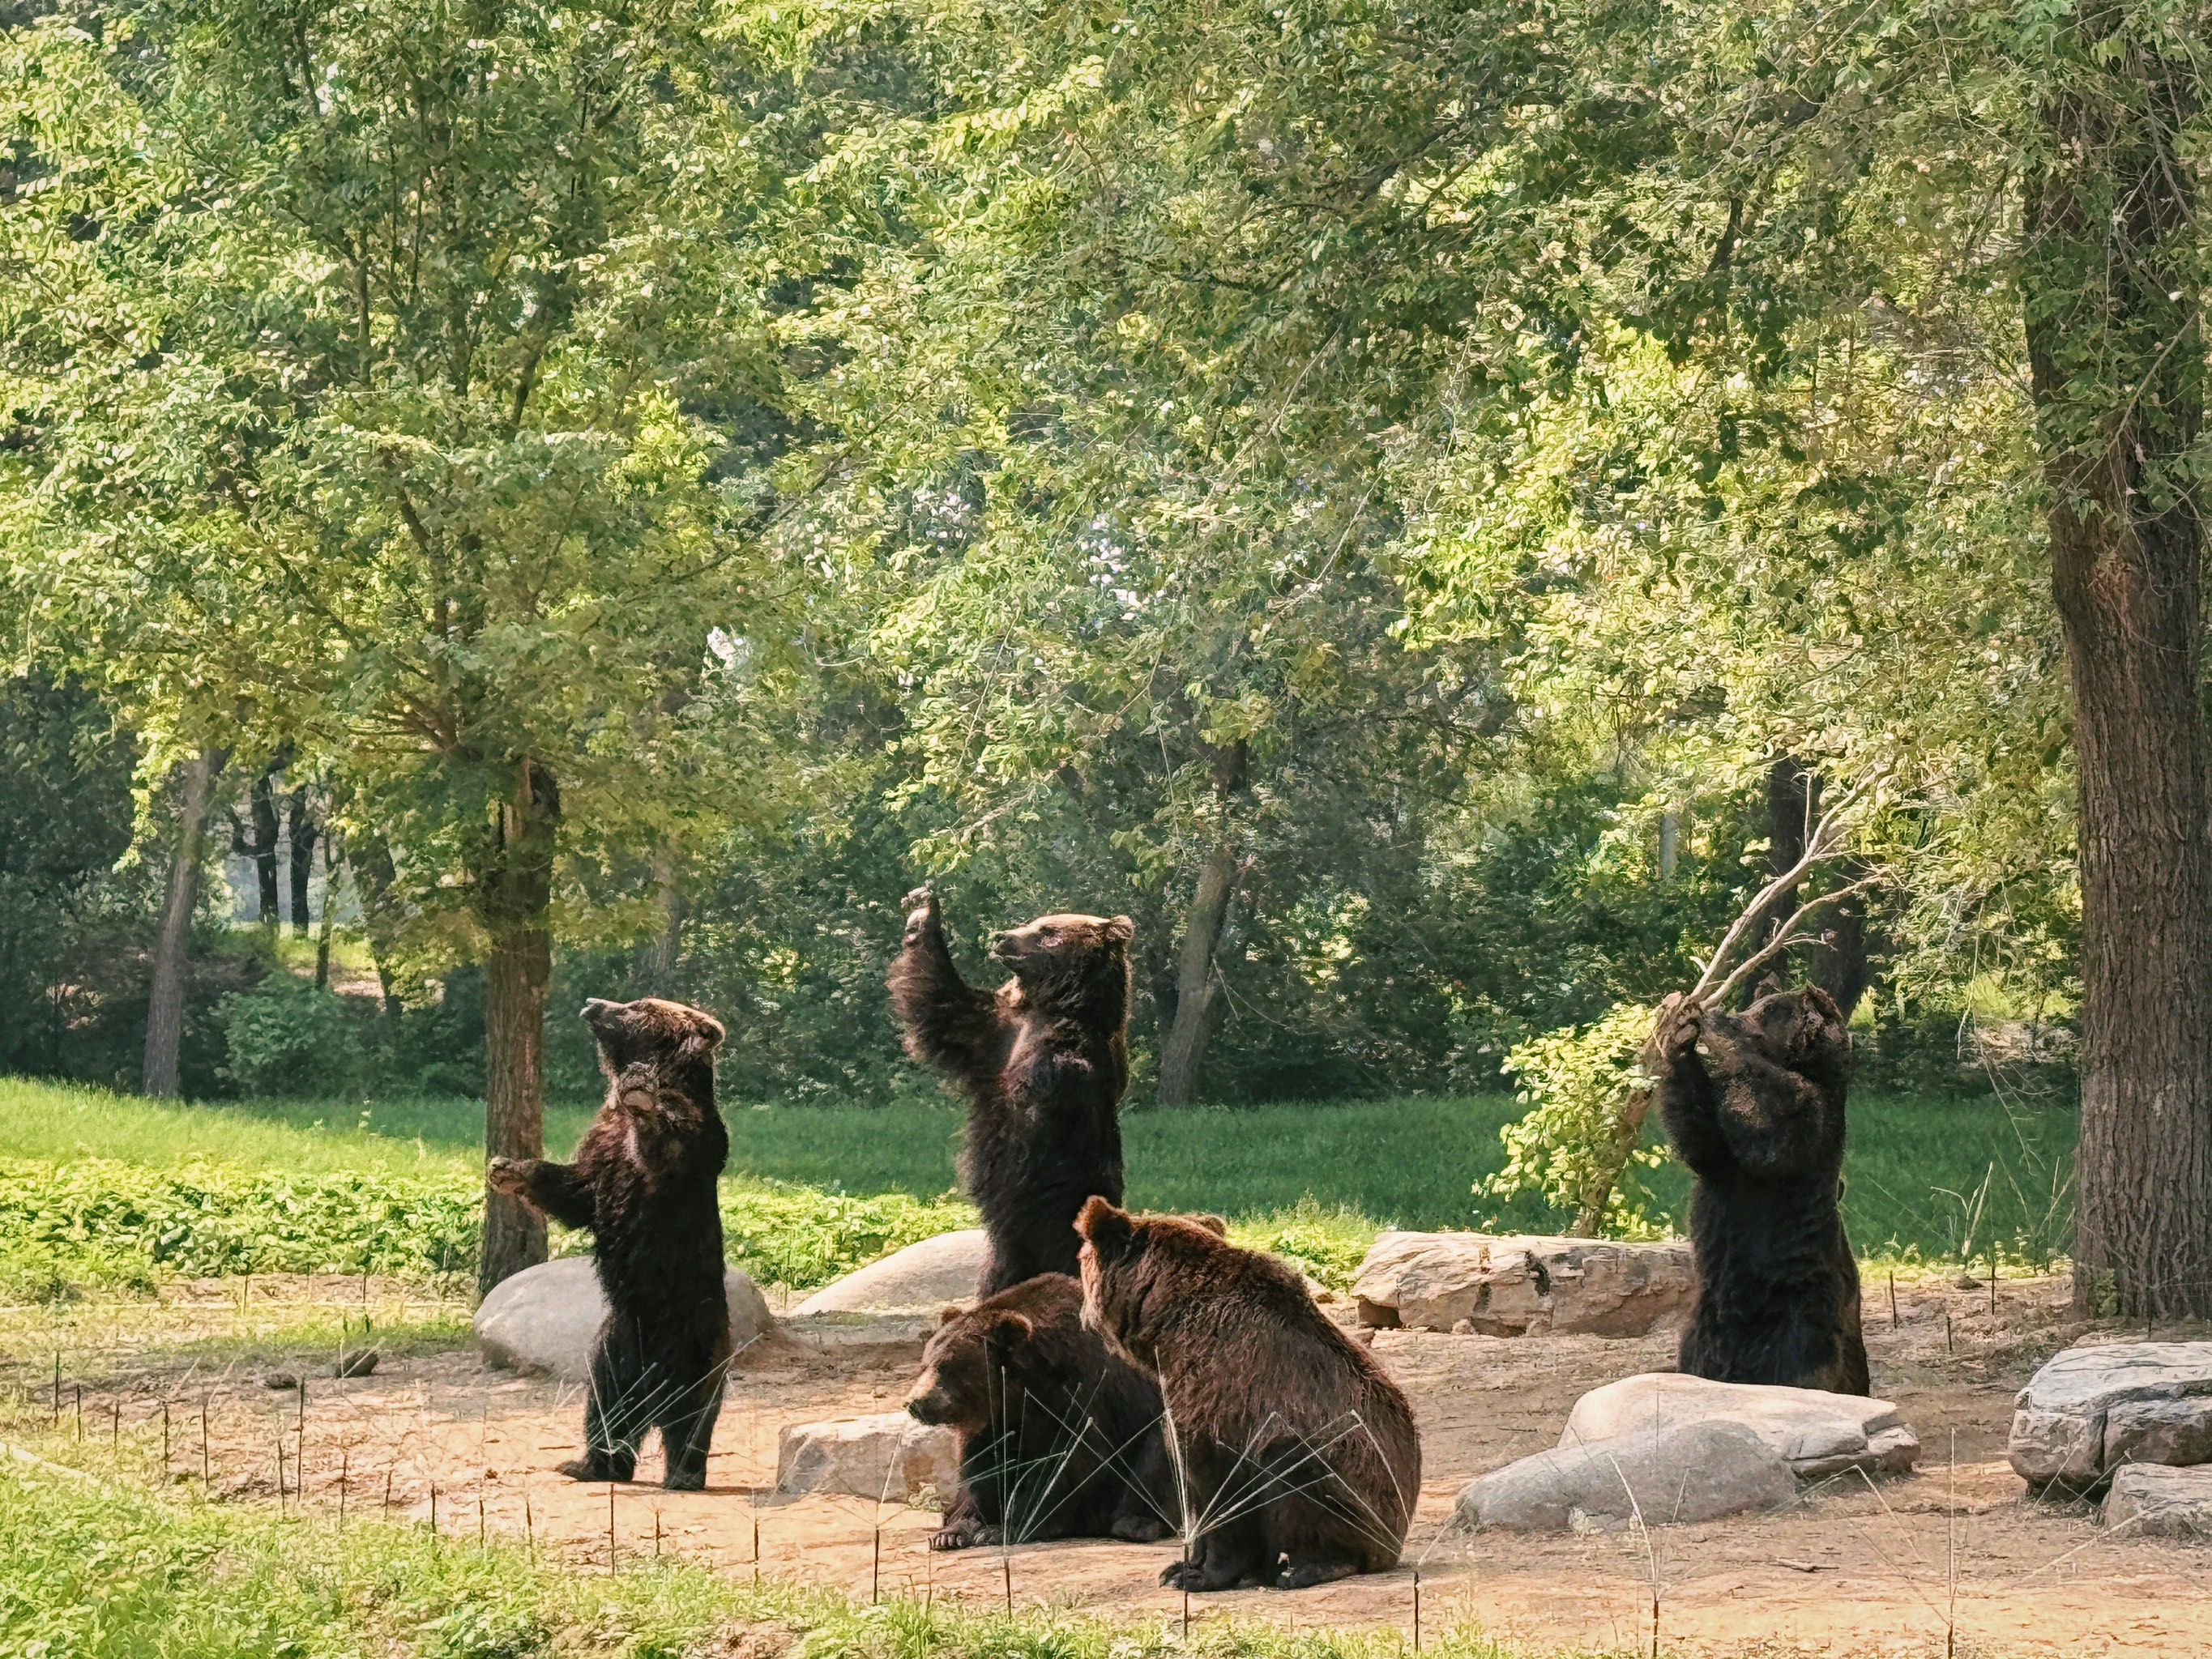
[
  {"x": 1676, "y": 1031},
  {"x": 962, "y": 1535},
  {"x": 921, "y": 913},
  {"x": 506, "y": 1175}
]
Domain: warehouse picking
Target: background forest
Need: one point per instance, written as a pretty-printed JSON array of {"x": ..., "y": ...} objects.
[{"x": 1423, "y": 506}]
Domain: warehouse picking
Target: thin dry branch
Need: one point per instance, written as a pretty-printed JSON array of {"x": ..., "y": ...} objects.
[
  {"x": 1824, "y": 843},
  {"x": 1788, "y": 933}
]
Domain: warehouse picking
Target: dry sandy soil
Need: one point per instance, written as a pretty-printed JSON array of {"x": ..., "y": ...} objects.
[{"x": 1953, "y": 1556}]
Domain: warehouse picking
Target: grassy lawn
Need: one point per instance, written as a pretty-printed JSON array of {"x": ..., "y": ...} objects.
[
  {"x": 813, "y": 1189},
  {"x": 100, "y": 1567}
]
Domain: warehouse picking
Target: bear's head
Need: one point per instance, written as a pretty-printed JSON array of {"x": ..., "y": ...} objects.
[
  {"x": 677, "y": 1042},
  {"x": 1802, "y": 1029},
  {"x": 1136, "y": 1268},
  {"x": 1070, "y": 960},
  {"x": 976, "y": 1358}
]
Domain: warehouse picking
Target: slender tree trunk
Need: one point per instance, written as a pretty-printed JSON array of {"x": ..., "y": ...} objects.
[
  {"x": 2117, "y": 356},
  {"x": 515, "y": 892},
  {"x": 374, "y": 877},
  {"x": 261, "y": 845},
  {"x": 1670, "y": 844},
  {"x": 1183, "y": 1050},
  {"x": 305, "y": 832},
  {"x": 165, "y": 1007},
  {"x": 331, "y": 844},
  {"x": 668, "y": 945}
]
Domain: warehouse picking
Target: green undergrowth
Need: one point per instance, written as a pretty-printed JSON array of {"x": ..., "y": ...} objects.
[{"x": 102, "y": 1567}]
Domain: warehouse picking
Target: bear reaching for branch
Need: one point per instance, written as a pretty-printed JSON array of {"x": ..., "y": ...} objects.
[
  {"x": 1059, "y": 1437},
  {"x": 643, "y": 1184},
  {"x": 1042, "y": 1062},
  {"x": 1299, "y": 1460},
  {"x": 1753, "y": 1103}
]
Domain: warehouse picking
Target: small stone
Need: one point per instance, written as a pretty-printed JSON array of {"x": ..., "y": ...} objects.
[
  {"x": 278, "y": 1380},
  {"x": 1462, "y": 1328},
  {"x": 2159, "y": 1502},
  {"x": 1700, "y": 1472},
  {"x": 363, "y": 1364},
  {"x": 887, "y": 1457}
]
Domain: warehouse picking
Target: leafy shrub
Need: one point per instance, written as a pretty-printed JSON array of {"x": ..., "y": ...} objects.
[
  {"x": 1587, "y": 1100},
  {"x": 286, "y": 1037}
]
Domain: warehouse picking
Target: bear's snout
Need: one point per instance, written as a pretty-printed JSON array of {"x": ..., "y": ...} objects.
[{"x": 927, "y": 1403}]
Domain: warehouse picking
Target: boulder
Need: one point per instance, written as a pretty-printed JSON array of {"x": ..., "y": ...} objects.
[
  {"x": 917, "y": 1279},
  {"x": 544, "y": 1319},
  {"x": 1523, "y": 1286},
  {"x": 1697, "y": 1473},
  {"x": 2160, "y": 1502},
  {"x": 1814, "y": 1432},
  {"x": 888, "y": 1457},
  {"x": 2091, "y": 1409}
]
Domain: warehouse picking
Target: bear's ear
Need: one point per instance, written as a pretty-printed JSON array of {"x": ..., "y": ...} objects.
[
  {"x": 1119, "y": 930},
  {"x": 1216, "y": 1225},
  {"x": 1102, "y": 1226},
  {"x": 1010, "y": 1326},
  {"x": 946, "y": 1315}
]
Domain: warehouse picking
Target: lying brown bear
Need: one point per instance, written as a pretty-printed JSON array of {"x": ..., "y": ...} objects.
[
  {"x": 1059, "y": 1437},
  {"x": 1299, "y": 1460}
]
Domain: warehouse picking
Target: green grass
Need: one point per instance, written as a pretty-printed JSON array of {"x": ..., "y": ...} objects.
[
  {"x": 814, "y": 1190},
  {"x": 101, "y": 1568}
]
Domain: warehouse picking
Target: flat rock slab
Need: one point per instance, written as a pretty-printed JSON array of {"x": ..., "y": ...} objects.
[
  {"x": 2160, "y": 1502},
  {"x": 917, "y": 1279},
  {"x": 545, "y": 1318},
  {"x": 1522, "y": 1284},
  {"x": 887, "y": 1457},
  {"x": 2090, "y": 1410},
  {"x": 1699, "y": 1471},
  {"x": 1816, "y": 1433}
]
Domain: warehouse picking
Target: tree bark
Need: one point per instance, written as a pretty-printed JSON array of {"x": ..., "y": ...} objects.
[
  {"x": 164, "y": 1005},
  {"x": 667, "y": 945},
  {"x": 261, "y": 845},
  {"x": 1183, "y": 1050},
  {"x": 2116, "y": 354},
  {"x": 374, "y": 877},
  {"x": 331, "y": 841},
  {"x": 304, "y": 832},
  {"x": 514, "y": 891}
]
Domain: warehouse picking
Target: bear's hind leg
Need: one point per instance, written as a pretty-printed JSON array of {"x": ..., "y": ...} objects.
[
  {"x": 687, "y": 1432},
  {"x": 615, "y": 1411}
]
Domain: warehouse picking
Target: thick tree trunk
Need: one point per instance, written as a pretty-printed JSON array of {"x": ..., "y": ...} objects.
[
  {"x": 667, "y": 947},
  {"x": 514, "y": 891},
  {"x": 305, "y": 832},
  {"x": 1183, "y": 1050},
  {"x": 165, "y": 1007},
  {"x": 2117, "y": 354}
]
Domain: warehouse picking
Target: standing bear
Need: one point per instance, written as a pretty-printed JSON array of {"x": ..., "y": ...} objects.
[
  {"x": 1059, "y": 1437},
  {"x": 1753, "y": 1103},
  {"x": 1298, "y": 1458},
  {"x": 1042, "y": 1061},
  {"x": 643, "y": 1185}
]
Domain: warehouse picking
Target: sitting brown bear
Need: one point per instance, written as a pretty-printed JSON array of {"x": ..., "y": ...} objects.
[
  {"x": 1059, "y": 1437},
  {"x": 1299, "y": 1459},
  {"x": 1753, "y": 1103},
  {"x": 644, "y": 1184}
]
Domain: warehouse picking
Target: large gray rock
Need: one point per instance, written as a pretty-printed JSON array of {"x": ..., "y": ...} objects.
[
  {"x": 2160, "y": 1502},
  {"x": 544, "y": 1319},
  {"x": 917, "y": 1279},
  {"x": 888, "y": 1457},
  {"x": 1522, "y": 1284},
  {"x": 1814, "y": 1432},
  {"x": 2090, "y": 1410},
  {"x": 1695, "y": 1473}
]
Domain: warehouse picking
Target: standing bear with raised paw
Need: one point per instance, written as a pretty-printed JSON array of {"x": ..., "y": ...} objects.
[
  {"x": 644, "y": 1185},
  {"x": 1042, "y": 1062},
  {"x": 1753, "y": 1103}
]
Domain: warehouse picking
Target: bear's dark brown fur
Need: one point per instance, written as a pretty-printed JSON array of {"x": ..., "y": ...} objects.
[
  {"x": 1753, "y": 1103},
  {"x": 1300, "y": 1460},
  {"x": 1060, "y": 1438},
  {"x": 643, "y": 1184},
  {"x": 1042, "y": 1062}
]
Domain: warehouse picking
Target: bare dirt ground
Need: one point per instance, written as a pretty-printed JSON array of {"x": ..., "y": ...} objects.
[{"x": 1953, "y": 1558}]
